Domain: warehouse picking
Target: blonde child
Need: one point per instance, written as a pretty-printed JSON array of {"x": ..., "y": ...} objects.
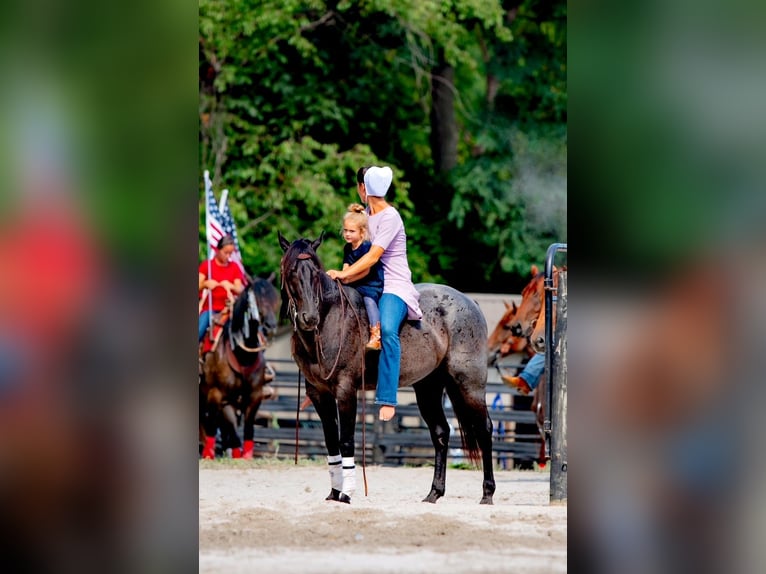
[{"x": 370, "y": 286}]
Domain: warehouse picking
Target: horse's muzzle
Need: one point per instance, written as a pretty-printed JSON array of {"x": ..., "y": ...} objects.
[{"x": 306, "y": 322}]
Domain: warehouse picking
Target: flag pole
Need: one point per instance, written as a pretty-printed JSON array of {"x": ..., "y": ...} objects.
[
  {"x": 208, "y": 185},
  {"x": 224, "y": 197}
]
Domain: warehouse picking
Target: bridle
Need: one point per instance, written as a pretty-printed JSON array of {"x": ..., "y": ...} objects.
[{"x": 318, "y": 297}]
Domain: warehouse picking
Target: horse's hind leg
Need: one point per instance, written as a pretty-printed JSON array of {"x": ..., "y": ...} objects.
[
  {"x": 249, "y": 424},
  {"x": 485, "y": 444},
  {"x": 429, "y": 394},
  {"x": 471, "y": 409},
  {"x": 480, "y": 425}
]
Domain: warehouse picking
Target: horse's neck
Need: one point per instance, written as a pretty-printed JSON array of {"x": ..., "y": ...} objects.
[
  {"x": 330, "y": 292},
  {"x": 304, "y": 343}
]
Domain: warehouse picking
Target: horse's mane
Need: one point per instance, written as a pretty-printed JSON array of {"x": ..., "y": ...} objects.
[
  {"x": 238, "y": 311},
  {"x": 532, "y": 286},
  {"x": 299, "y": 249}
]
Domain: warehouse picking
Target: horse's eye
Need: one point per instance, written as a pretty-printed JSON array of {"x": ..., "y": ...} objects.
[{"x": 507, "y": 327}]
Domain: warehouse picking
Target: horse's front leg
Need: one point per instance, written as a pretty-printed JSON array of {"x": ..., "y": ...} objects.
[
  {"x": 326, "y": 408},
  {"x": 229, "y": 434},
  {"x": 346, "y": 399},
  {"x": 253, "y": 402}
]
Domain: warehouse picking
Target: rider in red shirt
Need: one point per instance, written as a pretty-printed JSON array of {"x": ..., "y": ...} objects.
[{"x": 225, "y": 280}]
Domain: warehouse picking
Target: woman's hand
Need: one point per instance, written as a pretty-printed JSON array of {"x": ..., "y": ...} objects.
[
  {"x": 334, "y": 274},
  {"x": 211, "y": 284}
]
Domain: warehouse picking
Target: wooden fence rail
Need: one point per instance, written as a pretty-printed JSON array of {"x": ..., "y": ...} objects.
[{"x": 404, "y": 440}]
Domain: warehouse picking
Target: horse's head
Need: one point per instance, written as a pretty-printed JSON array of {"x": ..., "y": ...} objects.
[
  {"x": 302, "y": 280},
  {"x": 529, "y": 309},
  {"x": 267, "y": 297},
  {"x": 537, "y": 337},
  {"x": 501, "y": 341}
]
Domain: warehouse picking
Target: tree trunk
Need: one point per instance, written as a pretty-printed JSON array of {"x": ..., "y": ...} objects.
[{"x": 444, "y": 132}]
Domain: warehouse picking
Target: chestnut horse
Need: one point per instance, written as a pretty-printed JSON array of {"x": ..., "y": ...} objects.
[
  {"x": 537, "y": 336},
  {"x": 446, "y": 350},
  {"x": 502, "y": 342},
  {"x": 518, "y": 324}
]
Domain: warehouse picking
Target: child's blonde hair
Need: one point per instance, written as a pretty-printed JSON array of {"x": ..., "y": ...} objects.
[{"x": 356, "y": 215}]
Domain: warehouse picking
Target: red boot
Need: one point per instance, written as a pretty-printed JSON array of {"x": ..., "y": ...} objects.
[
  {"x": 247, "y": 452},
  {"x": 209, "y": 449}
]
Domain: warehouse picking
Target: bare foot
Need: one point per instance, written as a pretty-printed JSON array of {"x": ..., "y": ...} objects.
[{"x": 386, "y": 413}]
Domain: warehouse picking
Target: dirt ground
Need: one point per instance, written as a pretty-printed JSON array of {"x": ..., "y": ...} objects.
[{"x": 271, "y": 517}]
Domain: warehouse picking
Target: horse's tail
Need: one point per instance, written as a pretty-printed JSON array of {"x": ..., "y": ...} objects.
[{"x": 467, "y": 421}]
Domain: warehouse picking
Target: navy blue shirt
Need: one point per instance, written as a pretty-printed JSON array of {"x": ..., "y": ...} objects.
[{"x": 372, "y": 284}]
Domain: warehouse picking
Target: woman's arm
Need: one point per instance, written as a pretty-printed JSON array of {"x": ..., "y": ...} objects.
[
  {"x": 207, "y": 283},
  {"x": 236, "y": 287}
]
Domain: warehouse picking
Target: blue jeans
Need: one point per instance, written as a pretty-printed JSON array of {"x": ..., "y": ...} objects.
[
  {"x": 533, "y": 370},
  {"x": 393, "y": 312},
  {"x": 204, "y": 323},
  {"x": 372, "y": 310}
]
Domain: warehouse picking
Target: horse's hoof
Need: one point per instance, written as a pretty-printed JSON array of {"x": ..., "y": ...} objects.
[
  {"x": 345, "y": 498},
  {"x": 486, "y": 500},
  {"x": 432, "y": 497},
  {"x": 334, "y": 495}
]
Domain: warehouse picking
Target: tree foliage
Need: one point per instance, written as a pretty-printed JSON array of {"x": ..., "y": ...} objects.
[{"x": 296, "y": 95}]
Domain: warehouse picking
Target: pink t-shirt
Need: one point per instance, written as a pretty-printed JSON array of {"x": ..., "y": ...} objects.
[{"x": 387, "y": 231}]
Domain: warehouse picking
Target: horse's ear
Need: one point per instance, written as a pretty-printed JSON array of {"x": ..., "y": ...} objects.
[
  {"x": 271, "y": 277},
  {"x": 284, "y": 243},
  {"x": 507, "y": 306},
  {"x": 317, "y": 242},
  {"x": 515, "y": 308},
  {"x": 534, "y": 270}
]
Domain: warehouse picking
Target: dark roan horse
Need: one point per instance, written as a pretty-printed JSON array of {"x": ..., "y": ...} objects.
[
  {"x": 233, "y": 375},
  {"x": 446, "y": 350}
]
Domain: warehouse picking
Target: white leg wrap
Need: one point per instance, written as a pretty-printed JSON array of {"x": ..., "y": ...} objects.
[
  {"x": 336, "y": 472},
  {"x": 349, "y": 476}
]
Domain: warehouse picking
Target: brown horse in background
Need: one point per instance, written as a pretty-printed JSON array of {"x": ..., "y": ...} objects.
[
  {"x": 517, "y": 325},
  {"x": 234, "y": 374},
  {"x": 537, "y": 336},
  {"x": 502, "y": 342}
]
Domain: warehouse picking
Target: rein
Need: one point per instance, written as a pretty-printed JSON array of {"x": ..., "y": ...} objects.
[{"x": 317, "y": 335}]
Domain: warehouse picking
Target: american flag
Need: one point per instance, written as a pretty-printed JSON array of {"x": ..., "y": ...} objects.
[
  {"x": 219, "y": 224},
  {"x": 213, "y": 227},
  {"x": 230, "y": 229}
]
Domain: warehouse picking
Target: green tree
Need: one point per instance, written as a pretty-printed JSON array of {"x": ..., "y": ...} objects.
[{"x": 295, "y": 96}]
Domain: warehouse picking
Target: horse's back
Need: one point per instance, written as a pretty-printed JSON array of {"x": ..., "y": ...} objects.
[
  {"x": 452, "y": 333},
  {"x": 445, "y": 304}
]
